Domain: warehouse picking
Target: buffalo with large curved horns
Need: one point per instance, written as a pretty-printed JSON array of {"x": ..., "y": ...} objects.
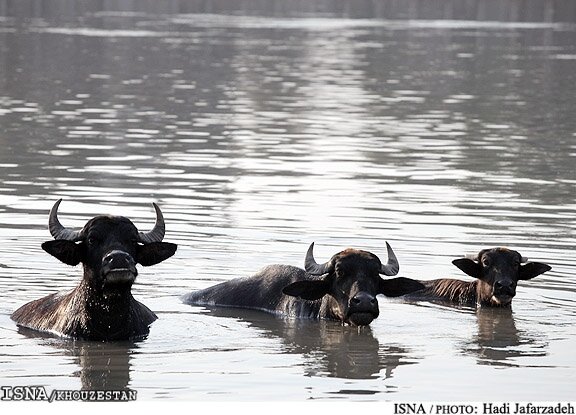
[
  {"x": 101, "y": 307},
  {"x": 343, "y": 288}
]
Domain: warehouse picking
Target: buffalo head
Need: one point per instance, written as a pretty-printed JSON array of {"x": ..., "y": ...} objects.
[
  {"x": 109, "y": 247},
  {"x": 349, "y": 283},
  {"x": 498, "y": 271}
]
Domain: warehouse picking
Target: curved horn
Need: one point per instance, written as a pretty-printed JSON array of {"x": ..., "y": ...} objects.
[
  {"x": 473, "y": 257},
  {"x": 157, "y": 233},
  {"x": 57, "y": 230},
  {"x": 523, "y": 260},
  {"x": 392, "y": 267},
  {"x": 310, "y": 264}
]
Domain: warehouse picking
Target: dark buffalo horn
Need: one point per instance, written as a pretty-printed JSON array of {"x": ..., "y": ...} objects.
[
  {"x": 310, "y": 264},
  {"x": 157, "y": 233},
  {"x": 523, "y": 260},
  {"x": 57, "y": 230},
  {"x": 392, "y": 267}
]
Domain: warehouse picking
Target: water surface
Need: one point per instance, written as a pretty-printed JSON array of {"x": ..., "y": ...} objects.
[{"x": 263, "y": 127}]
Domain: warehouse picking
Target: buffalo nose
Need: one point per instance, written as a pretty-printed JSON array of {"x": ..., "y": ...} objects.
[
  {"x": 504, "y": 287},
  {"x": 364, "y": 301},
  {"x": 118, "y": 259}
]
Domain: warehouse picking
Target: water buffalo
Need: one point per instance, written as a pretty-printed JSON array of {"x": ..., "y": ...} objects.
[
  {"x": 497, "y": 272},
  {"x": 101, "y": 307},
  {"x": 344, "y": 288}
]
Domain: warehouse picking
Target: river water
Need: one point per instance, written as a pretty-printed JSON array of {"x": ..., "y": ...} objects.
[{"x": 260, "y": 126}]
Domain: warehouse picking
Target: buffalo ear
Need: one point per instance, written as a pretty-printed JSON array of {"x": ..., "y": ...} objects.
[
  {"x": 469, "y": 266},
  {"x": 155, "y": 252},
  {"x": 308, "y": 289},
  {"x": 532, "y": 269},
  {"x": 68, "y": 252},
  {"x": 396, "y": 287}
]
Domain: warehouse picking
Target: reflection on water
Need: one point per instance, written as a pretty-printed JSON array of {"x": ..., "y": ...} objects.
[
  {"x": 103, "y": 366},
  {"x": 499, "y": 342},
  {"x": 260, "y": 127},
  {"x": 329, "y": 349}
]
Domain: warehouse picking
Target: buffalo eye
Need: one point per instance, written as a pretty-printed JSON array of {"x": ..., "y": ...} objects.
[
  {"x": 339, "y": 284},
  {"x": 486, "y": 261},
  {"x": 93, "y": 240}
]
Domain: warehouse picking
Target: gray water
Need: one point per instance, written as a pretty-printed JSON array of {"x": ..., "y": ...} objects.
[{"x": 441, "y": 127}]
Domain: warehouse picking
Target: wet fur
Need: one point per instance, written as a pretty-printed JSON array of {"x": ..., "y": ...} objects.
[
  {"x": 73, "y": 314},
  {"x": 263, "y": 291},
  {"x": 449, "y": 290}
]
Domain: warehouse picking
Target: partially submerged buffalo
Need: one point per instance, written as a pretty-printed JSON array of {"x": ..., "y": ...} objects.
[
  {"x": 101, "y": 307},
  {"x": 344, "y": 288},
  {"x": 496, "y": 272}
]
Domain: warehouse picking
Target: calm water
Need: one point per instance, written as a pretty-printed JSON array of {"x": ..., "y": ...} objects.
[{"x": 261, "y": 126}]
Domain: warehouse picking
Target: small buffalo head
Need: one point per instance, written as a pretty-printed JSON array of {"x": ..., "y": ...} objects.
[
  {"x": 109, "y": 247},
  {"x": 351, "y": 281},
  {"x": 498, "y": 271}
]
